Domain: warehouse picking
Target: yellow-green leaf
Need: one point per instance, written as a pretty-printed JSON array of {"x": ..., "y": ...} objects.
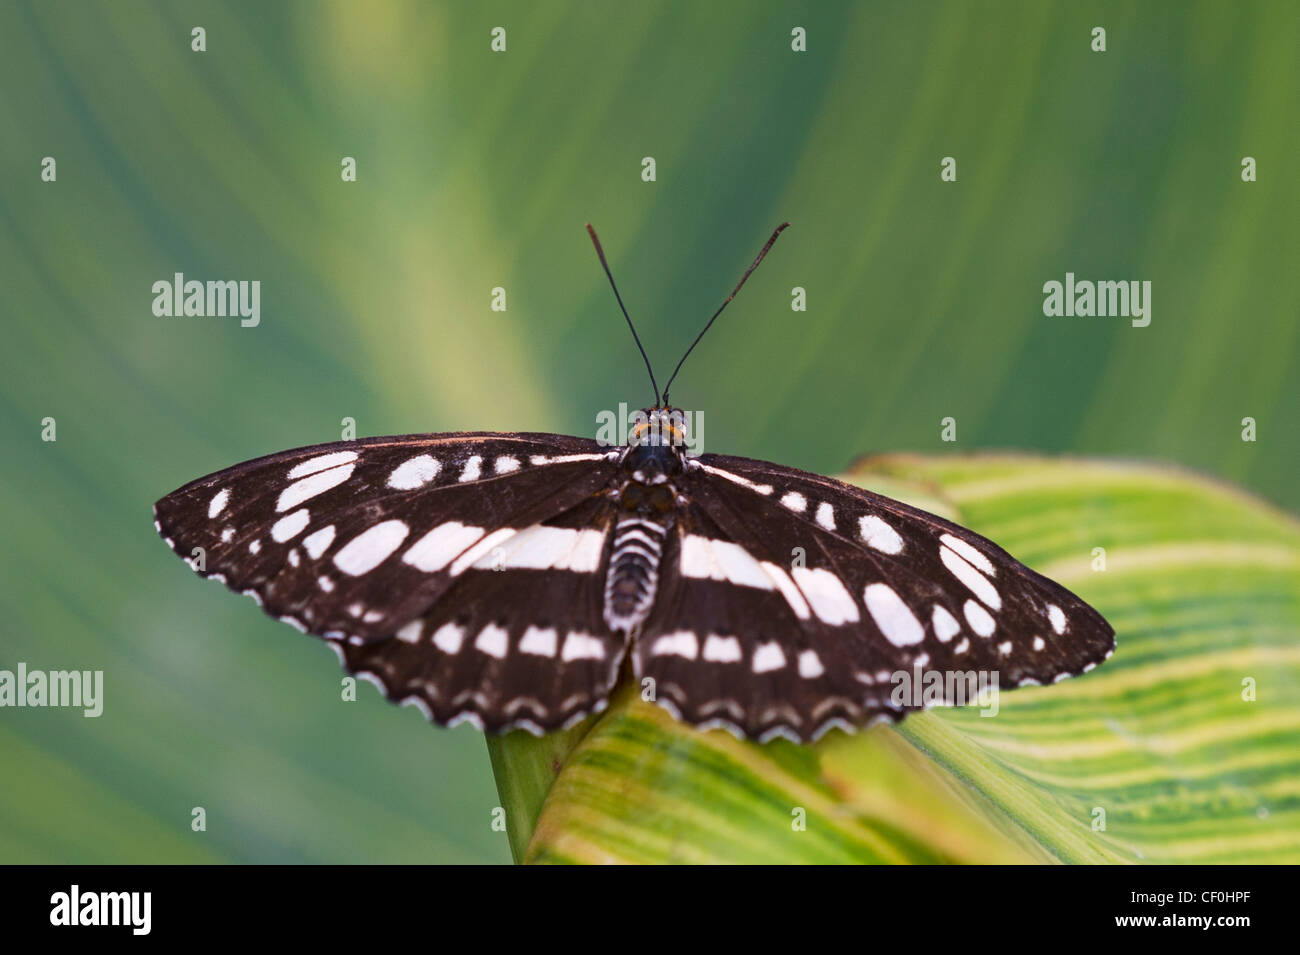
[{"x": 1184, "y": 747}]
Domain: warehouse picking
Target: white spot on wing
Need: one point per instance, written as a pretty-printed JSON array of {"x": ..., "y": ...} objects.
[
  {"x": 683, "y": 643},
  {"x": 414, "y": 473},
  {"x": 969, "y": 554},
  {"x": 826, "y": 516},
  {"x": 493, "y": 641},
  {"x": 795, "y": 502},
  {"x": 539, "y": 642},
  {"x": 737, "y": 479},
  {"x": 810, "y": 665},
  {"x": 539, "y": 459},
  {"x": 945, "y": 624},
  {"x": 585, "y": 556},
  {"x": 410, "y": 633},
  {"x": 309, "y": 487},
  {"x": 541, "y": 547},
  {"x": 505, "y": 464},
  {"x": 472, "y": 470},
  {"x": 826, "y": 595},
  {"x": 317, "y": 542},
  {"x": 979, "y": 619},
  {"x": 1057, "y": 616},
  {"x": 471, "y": 556},
  {"x": 582, "y": 646},
  {"x": 218, "y": 502},
  {"x": 290, "y": 526},
  {"x": 898, "y": 624},
  {"x": 321, "y": 462},
  {"x": 721, "y": 649},
  {"x": 440, "y": 546},
  {"x": 768, "y": 656},
  {"x": 707, "y": 558},
  {"x": 448, "y": 638},
  {"x": 976, "y": 582},
  {"x": 879, "y": 535},
  {"x": 371, "y": 547}
]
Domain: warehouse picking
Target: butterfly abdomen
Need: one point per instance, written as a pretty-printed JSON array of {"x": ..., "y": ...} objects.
[{"x": 632, "y": 579}]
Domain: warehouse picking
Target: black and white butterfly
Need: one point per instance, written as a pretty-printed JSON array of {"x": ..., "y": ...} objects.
[{"x": 511, "y": 580}]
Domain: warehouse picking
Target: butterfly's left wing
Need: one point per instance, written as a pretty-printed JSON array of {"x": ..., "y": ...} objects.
[
  {"x": 792, "y": 601},
  {"x": 459, "y": 572}
]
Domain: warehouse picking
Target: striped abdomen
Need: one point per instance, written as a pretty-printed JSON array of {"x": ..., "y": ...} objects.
[{"x": 633, "y": 574}]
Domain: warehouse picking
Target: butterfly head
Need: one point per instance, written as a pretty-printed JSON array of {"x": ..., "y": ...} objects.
[
  {"x": 660, "y": 427},
  {"x": 656, "y": 445}
]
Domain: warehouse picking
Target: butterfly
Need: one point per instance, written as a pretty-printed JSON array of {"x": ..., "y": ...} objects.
[{"x": 512, "y": 580}]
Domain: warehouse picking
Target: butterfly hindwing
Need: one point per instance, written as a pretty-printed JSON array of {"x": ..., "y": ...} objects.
[
  {"x": 725, "y": 647},
  {"x": 517, "y": 641},
  {"x": 355, "y": 539}
]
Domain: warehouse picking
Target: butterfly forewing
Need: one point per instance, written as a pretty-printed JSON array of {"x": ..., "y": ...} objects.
[{"x": 355, "y": 539}]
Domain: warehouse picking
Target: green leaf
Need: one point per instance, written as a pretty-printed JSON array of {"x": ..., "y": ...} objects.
[{"x": 1183, "y": 747}]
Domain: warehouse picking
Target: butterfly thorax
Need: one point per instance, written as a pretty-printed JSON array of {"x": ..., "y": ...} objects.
[{"x": 646, "y": 511}]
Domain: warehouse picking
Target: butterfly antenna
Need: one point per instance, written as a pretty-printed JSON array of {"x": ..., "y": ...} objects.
[
  {"x": 635, "y": 337},
  {"x": 779, "y": 230}
]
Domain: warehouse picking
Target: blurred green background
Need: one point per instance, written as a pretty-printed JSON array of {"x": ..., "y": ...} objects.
[{"x": 478, "y": 169}]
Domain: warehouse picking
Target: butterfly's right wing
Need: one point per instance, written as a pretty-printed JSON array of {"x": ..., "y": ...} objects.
[
  {"x": 794, "y": 602},
  {"x": 354, "y": 540}
]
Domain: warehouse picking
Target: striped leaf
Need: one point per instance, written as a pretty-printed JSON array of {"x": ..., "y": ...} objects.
[{"x": 1184, "y": 747}]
